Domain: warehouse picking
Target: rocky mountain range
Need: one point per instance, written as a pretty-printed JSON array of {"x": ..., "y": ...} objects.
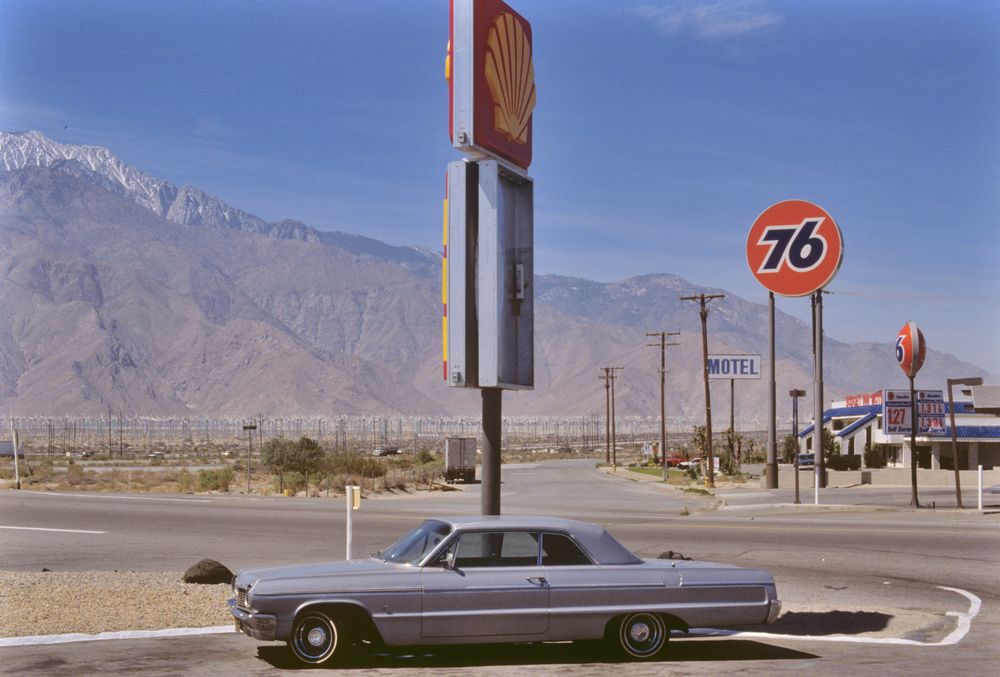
[{"x": 121, "y": 290}]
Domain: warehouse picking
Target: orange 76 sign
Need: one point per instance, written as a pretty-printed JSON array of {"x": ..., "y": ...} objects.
[{"x": 794, "y": 248}]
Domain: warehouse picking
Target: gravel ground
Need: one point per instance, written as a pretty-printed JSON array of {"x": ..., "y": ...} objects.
[{"x": 50, "y": 603}]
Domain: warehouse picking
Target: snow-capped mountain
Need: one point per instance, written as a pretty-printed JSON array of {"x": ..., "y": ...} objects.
[{"x": 185, "y": 205}]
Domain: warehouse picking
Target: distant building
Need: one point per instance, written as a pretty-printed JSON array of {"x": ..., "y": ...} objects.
[{"x": 857, "y": 422}]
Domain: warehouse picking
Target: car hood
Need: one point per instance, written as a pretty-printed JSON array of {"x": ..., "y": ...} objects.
[{"x": 284, "y": 577}]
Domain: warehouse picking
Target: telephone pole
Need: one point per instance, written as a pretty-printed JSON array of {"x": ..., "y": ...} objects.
[
  {"x": 609, "y": 382},
  {"x": 607, "y": 413},
  {"x": 662, "y": 335},
  {"x": 704, "y": 300}
]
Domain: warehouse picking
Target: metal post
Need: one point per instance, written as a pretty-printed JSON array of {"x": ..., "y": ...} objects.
[
  {"x": 914, "y": 424},
  {"x": 772, "y": 406},
  {"x": 732, "y": 405},
  {"x": 17, "y": 468},
  {"x": 980, "y": 502},
  {"x": 249, "y": 448},
  {"x": 353, "y": 500},
  {"x": 954, "y": 446},
  {"x": 795, "y": 394},
  {"x": 249, "y": 428},
  {"x": 491, "y": 420},
  {"x": 819, "y": 466}
]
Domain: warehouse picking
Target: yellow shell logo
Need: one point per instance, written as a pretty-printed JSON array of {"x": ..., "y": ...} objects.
[{"x": 510, "y": 76}]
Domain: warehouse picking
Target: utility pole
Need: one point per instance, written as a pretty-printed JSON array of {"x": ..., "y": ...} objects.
[
  {"x": 607, "y": 413},
  {"x": 703, "y": 300},
  {"x": 662, "y": 335},
  {"x": 609, "y": 381}
]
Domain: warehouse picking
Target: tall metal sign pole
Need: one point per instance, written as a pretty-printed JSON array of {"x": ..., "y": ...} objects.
[
  {"x": 794, "y": 248},
  {"x": 910, "y": 353},
  {"x": 488, "y": 263}
]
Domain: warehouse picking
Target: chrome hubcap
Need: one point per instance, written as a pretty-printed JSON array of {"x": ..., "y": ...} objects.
[
  {"x": 316, "y": 637},
  {"x": 639, "y": 632}
]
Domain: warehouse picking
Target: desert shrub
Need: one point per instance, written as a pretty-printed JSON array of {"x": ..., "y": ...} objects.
[
  {"x": 214, "y": 479},
  {"x": 75, "y": 475},
  {"x": 294, "y": 482},
  {"x": 424, "y": 456},
  {"x": 185, "y": 482}
]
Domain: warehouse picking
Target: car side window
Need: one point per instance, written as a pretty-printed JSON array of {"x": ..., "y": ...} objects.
[
  {"x": 496, "y": 549},
  {"x": 560, "y": 550}
]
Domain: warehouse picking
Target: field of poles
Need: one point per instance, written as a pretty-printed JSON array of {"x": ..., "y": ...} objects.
[{"x": 124, "y": 436}]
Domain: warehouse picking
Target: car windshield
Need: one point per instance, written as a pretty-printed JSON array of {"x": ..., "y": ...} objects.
[{"x": 417, "y": 544}]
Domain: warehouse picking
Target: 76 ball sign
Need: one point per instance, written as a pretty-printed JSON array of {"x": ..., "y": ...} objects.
[{"x": 794, "y": 248}]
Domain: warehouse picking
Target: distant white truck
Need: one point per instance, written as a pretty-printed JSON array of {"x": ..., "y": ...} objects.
[{"x": 460, "y": 459}]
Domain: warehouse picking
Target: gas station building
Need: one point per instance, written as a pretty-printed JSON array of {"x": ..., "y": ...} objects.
[{"x": 856, "y": 422}]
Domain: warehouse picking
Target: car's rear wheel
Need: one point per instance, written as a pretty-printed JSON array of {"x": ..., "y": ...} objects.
[
  {"x": 316, "y": 638},
  {"x": 642, "y": 635}
]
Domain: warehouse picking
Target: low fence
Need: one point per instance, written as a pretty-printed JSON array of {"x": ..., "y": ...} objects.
[{"x": 118, "y": 435}]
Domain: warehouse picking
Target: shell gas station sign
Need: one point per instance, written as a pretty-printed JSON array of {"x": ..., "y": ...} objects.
[
  {"x": 491, "y": 81},
  {"x": 488, "y": 262}
]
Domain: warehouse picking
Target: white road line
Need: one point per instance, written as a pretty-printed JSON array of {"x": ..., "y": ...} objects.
[
  {"x": 37, "y": 640},
  {"x": 962, "y": 627},
  {"x": 123, "y": 498},
  {"x": 65, "y": 531}
]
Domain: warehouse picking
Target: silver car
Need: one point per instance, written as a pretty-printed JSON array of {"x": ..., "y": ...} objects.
[{"x": 483, "y": 580}]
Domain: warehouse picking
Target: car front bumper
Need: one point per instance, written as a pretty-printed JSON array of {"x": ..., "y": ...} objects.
[{"x": 258, "y": 626}]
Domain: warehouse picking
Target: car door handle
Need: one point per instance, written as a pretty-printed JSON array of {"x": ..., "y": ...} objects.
[{"x": 538, "y": 580}]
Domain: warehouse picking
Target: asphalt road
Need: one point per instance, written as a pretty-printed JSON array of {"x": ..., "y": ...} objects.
[{"x": 898, "y": 575}]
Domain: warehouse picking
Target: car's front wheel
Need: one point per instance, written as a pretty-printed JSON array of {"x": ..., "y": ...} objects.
[
  {"x": 316, "y": 638},
  {"x": 642, "y": 635}
]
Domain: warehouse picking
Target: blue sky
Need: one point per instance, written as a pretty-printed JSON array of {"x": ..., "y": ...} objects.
[{"x": 662, "y": 130}]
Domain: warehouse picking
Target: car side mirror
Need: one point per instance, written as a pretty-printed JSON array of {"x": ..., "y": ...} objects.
[{"x": 449, "y": 560}]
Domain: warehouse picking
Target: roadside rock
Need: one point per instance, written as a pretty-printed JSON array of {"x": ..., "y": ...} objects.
[{"x": 208, "y": 571}]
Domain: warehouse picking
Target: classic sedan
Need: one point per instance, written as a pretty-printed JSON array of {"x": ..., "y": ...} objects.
[{"x": 484, "y": 580}]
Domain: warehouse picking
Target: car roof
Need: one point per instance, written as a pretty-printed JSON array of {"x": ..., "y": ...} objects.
[{"x": 594, "y": 538}]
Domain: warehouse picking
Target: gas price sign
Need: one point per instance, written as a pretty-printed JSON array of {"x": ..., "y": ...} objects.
[{"x": 897, "y": 412}]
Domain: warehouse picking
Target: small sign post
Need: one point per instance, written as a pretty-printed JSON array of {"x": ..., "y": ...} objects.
[
  {"x": 249, "y": 428},
  {"x": 353, "y": 496}
]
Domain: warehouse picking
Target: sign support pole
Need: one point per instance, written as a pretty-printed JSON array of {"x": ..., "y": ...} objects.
[
  {"x": 914, "y": 424},
  {"x": 772, "y": 443},
  {"x": 819, "y": 467},
  {"x": 492, "y": 415}
]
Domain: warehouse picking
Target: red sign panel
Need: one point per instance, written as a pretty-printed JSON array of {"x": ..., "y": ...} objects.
[
  {"x": 794, "y": 248},
  {"x": 910, "y": 349},
  {"x": 491, "y": 80}
]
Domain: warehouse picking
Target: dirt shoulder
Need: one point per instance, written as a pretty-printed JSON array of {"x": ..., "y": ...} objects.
[{"x": 49, "y": 603}]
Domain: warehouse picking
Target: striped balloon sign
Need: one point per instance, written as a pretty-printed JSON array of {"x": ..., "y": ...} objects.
[{"x": 910, "y": 349}]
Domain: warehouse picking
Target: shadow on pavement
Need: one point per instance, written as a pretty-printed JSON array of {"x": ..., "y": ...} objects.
[
  {"x": 826, "y": 623},
  {"x": 541, "y": 654}
]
